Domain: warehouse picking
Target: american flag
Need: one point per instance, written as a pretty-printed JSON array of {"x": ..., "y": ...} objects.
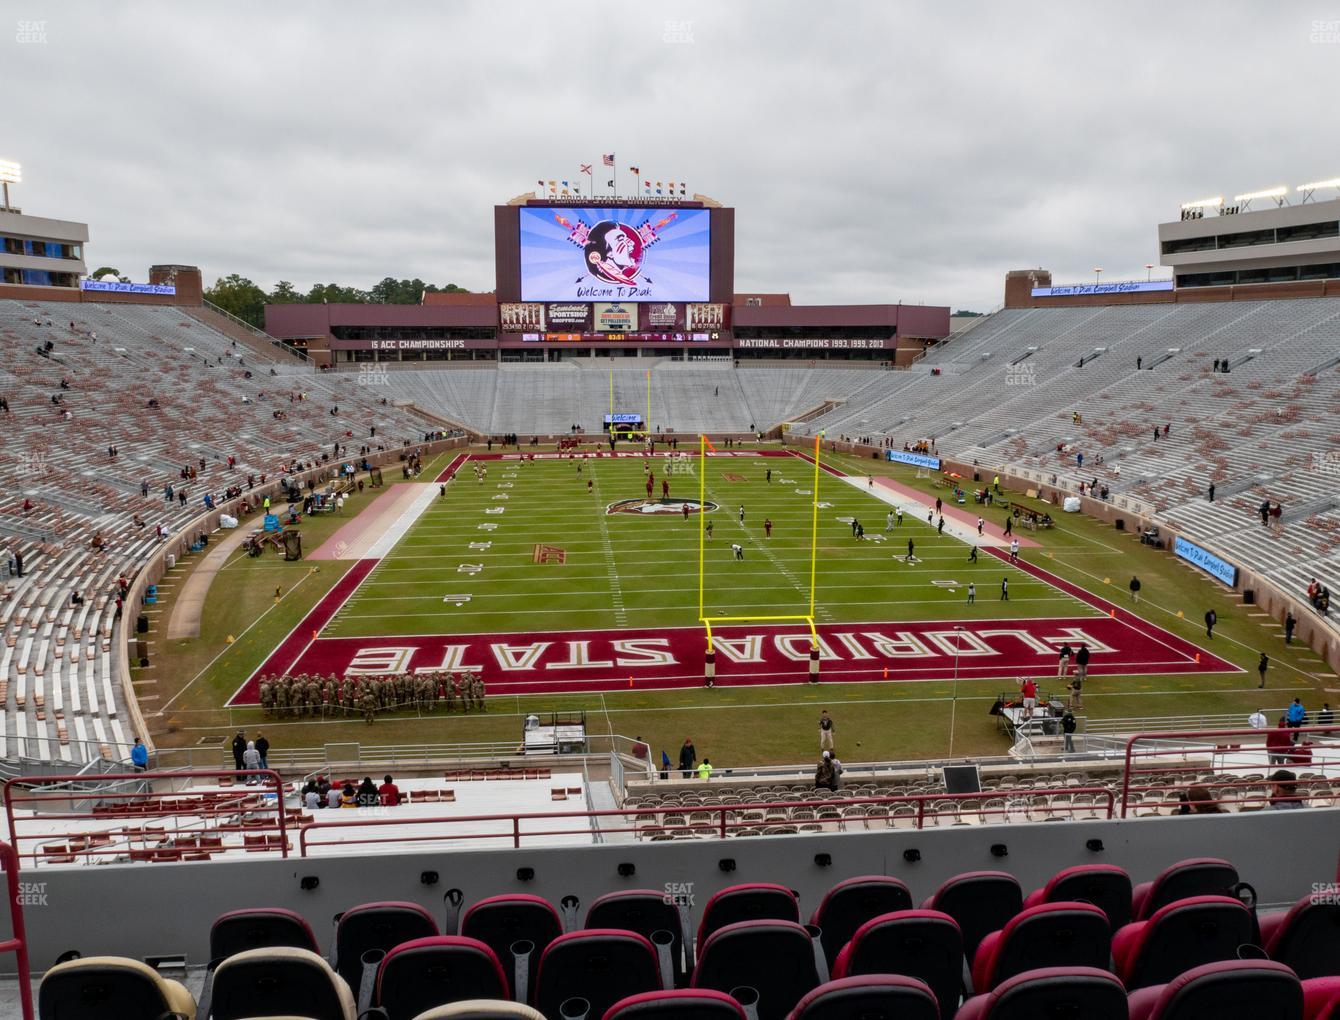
[{"x": 608, "y": 159}]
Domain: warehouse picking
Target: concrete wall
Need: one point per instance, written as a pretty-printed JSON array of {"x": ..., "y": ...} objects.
[{"x": 151, "y": 909}]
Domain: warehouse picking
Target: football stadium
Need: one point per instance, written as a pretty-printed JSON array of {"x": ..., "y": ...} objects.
[{"x": 882, "y": 659}]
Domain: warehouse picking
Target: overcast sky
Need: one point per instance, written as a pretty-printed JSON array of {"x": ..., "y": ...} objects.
[{"x": 874, "y": 151}]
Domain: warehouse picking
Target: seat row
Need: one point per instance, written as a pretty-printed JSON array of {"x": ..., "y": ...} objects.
[{"x": 972, "y": 936}]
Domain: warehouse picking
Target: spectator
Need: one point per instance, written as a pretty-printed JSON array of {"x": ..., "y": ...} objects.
[
  {"x": 1289, "y": 624},
  {"x": 139, "y": 756},
  {"x": 1296, "y": 716},
  {"x": 826, "y": 731},
  {"x": 75, "y": 598},
  {"x": 705, "y": 770},
  {"x": 688, "y": 758},
  {"x": 388, "y": 792},
  {"x": 239, "y": 749},
  {"x": 1257, "y": 720},
  {"x": 251, "y": 760},
  {"x": 1068, "y": 728},
  {"x": 1284, "y": 795},
  {"x": 333, "y": 799},
  {"x": 1028, "y": 688},
  {"x": 1278, "y": 741},
  {"x": 1201, "y": 800},
  {"x": 1135, "y": 589},
  {"x": 348, "y": 797},
  {"x": 1261, "y": 668},
  {"x": 825, "y": 776},
  {"x": 367, "y": 795},
  {"x": 263, "y": 749},
  {"x": 311, "y": 798},
  {"x": 1211, "y": 618}
]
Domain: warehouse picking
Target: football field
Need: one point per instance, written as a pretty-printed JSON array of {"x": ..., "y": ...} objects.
[{"x": 571, "y": 574}]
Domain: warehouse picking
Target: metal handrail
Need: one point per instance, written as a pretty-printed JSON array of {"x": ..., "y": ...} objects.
[
  {"x": 17, "y": 943},
  {"x": 721, "y": 826},
  {"x": 260, "y": 333}
]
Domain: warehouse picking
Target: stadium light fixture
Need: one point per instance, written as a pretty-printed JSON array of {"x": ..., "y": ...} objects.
[
  {"x": 1204, "y": 203},
  {"x": 1097, "y": 275},
  {"x": 1307, "y": 189},
  {"x": 10, "y": 173},
  {"x": 1149, "y": 271},
  {"x": 1266, "y": 193}
]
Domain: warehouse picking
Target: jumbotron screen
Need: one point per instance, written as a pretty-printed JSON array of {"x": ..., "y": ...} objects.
[{"x": 615, "y": 254}]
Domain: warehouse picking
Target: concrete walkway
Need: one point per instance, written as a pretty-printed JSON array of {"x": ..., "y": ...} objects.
[{"x": 186, "y": 611}]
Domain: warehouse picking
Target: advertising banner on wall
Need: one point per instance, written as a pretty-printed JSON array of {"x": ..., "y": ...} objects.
[
  {"x": 568, "y": 316},
  {"x": 615, "y": 318},
  {"x": 662, "y": 316},
  {"x": 707, "y": 317},
  {"x": 520, "y": 318}
]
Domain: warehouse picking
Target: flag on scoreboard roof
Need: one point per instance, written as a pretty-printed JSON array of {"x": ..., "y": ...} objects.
[
  {"x": 635, "y": 170},
  {"x": 609, "y": 184},
  {"x": 647, "y": 183},
  {"x": 540, "y": 183},
  {"x": 608, "y": 159},
  {"x": 585, "y": 168},
  {"x": 565, "y": 184}
]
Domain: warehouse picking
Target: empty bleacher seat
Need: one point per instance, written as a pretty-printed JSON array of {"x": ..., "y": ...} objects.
[
  {"x": 645, "y": 911},
  {"x": 599, "y": 965},
  {"x": 1196, "y": 876},
  {"x": 99, "y": 987},
  {"x": 924, "y": 944},
  {"x": 683, "y": 1004},
  {"x": 777, "y": 959},
  {"x": 872, "y": 997},
  {"x": 751, "y": 901},
  {"x": 501, "y": 922},
  {"x": 438, "y": 970},
  {"x": 1104, "y": 885},
  {"x": 1049, "y": 935},
  {"x": 1084, "y": 993},
  {"x": 378, "y": 927},
  {"x": 280, "y": 981},
  {"x": 853, "y": 902},
  {"x": 1182, "y": 935},
  {"x": 980, "y": 901},
  {"x": 1231, "y": 990},
  {"x": 240, "y": 930},
  {"x": 1306, "y": 937}
]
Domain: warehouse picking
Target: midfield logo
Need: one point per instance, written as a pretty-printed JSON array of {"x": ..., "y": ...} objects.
[{"x": 659, "y": 506}]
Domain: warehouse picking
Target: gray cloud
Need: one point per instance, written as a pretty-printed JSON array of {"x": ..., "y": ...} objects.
[{"x": 875, "y": 151}]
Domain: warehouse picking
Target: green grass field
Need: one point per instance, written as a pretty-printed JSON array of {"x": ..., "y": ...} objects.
[
  {"x": 638, "y": 570},
  {"x": 625, "y": 571}
]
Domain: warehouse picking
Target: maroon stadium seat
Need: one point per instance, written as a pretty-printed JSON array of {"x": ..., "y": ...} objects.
[
  {"x": 240, "y": 930},
  {"x": 645, "y": 911},
  {"x": 1321, "y": 998},
  {"x": 871, "y": 997},
  {"x": 502, "y": 921},
  {"x": 852, "y": 903},
  {"x": 1082, "y": 993},
  {"x": 980, "y": 901},
  {"x": 417, "y": 975},
  {"x": 924, "y": 944},
  {"x": 755, "y": 901},
  {"x": 1229, "y": 990},
  {"x": 1104, "y": 885},
  {"x": 1050, "y": 935},
  {"x": 685, "y": 1004},
  {"x": 1306, "y": 937},
  {"x": 600, "y": 965},
  {"x": 775, "y": 958},
  {"x": 1180, "y": 936},
  {"x": 1196, "y": 876},
  {"x": 376, "y": 926}
]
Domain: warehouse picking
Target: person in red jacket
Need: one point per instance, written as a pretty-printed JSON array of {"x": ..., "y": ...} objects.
[
  {"x": 1279, "y": 743},
  {"x": 388, "y": 793},
  {"x": 1028, "y": 687}
]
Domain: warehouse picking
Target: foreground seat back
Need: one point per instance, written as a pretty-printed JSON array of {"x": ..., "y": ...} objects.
[
  {"x": 280, "y": 982},
  {"x": 775, "y": 958},
  {"x": 1050, "y": 935},
  {"x": 1232, "y": 990},
  {"x": 1180, "y": 936},
  {"x": 240, "y": 930},
  {"x": 923, "y": 944},
  {"x": 754, "y": 901},
  {"x": 684, "y": 1004},
  {"x": 645, "y": 911},
  {"x": 1106, "y": 886},
  {"x": 600, "y": 965},
  {"x": 99, "y": 987},
  {"x": 980, "y": 901},
  {"x": 1065, "y": 993},
  {"x": 502, "y": 921},
  {"x": 437, "y": 971},
  {"x": 1307, "y": 938},
  {"x": 873, "y": 997},
  {"x": 1196, "y": 876},
  {"x": 482, "y": 1009},
  {"x": 377, "y": 926},
  {"x": 852, "y": 903}
]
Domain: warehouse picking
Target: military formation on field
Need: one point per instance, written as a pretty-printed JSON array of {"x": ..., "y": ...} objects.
[{"x": 315, "y": 695}]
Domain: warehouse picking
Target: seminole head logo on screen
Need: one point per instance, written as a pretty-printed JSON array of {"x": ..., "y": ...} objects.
[{"x": 613, "y": 252}]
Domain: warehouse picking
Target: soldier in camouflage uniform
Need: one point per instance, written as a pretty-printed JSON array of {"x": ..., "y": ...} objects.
[
  {"x": 369, "y": 705},
  {"x": 281, "y": 696},
  {"x": 462, "y": 692},
  {"x": 449, "y": 691},
  {"x": 479, "y": 693},
  {"x": 267, "y": 696}
]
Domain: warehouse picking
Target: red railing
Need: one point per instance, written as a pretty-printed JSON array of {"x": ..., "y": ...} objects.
[
  {"x": 725, "y": 819},
  {"x": 1229, "y": 770},
  {"x": 17, "y": 943},
  {"x": 161, "y": 823}
]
